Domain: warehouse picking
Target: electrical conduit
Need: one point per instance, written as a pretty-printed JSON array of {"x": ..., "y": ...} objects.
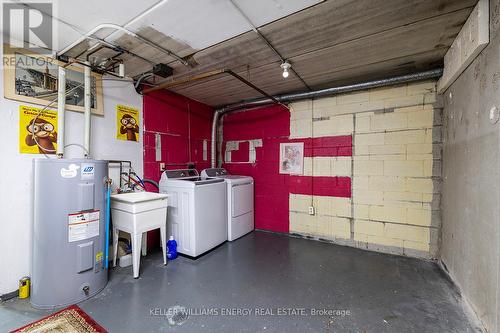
[
  {"x": 88, "y": 106},
  {"x": 107, "y": 218},
  {"x": 61, "y": 106}
]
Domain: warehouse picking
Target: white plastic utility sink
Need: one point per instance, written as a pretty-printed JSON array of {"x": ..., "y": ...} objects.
[
  {"x": 137, "y": 202},
  {"x": 137, "y": 213}
]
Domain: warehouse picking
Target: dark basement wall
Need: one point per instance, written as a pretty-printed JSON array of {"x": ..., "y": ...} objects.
[{"x": 471, "y": 191}]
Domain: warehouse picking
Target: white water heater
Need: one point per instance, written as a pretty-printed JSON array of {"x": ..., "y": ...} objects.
[{"x": 68, "y": 231}]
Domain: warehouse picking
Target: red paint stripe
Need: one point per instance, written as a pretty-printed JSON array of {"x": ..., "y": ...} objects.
[
  {"x": 322, "y": 186},
  {"x": 328, "y": 146}
]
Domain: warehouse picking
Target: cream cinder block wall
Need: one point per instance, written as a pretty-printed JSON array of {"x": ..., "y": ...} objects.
[{"x": 395, "y": 169}]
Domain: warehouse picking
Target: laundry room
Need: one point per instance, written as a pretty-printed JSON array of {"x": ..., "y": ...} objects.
[{"x": 250, "y": 166}]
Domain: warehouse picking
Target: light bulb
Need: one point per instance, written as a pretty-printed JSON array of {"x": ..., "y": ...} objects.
[{"x": 285, "y": 66}]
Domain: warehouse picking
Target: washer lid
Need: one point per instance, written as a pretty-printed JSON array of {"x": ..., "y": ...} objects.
[{"x": 213, "y": 172}]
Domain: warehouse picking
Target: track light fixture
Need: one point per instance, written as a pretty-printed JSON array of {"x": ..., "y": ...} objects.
[{"x": 286, "y": 66}]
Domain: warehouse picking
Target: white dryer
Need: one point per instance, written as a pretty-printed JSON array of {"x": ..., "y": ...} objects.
[
  {"x": 240, "y": 201},
  {"x": 196, "y": 210}
]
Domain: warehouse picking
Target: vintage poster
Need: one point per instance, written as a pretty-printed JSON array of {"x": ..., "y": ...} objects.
[
  {"x": 292, "y": 158},
  {"x": 37, "y": 135},
  {"x": 127, "y": 123}
]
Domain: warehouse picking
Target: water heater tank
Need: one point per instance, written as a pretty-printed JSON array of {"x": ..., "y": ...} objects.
[{"x": 68, "y": 231}]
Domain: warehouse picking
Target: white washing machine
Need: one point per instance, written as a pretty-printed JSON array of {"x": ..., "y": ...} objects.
[
  {"x": 240, "y": 201},
  {"x": 196, "y": 210}
]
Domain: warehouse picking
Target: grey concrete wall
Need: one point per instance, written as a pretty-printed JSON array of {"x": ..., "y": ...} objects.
[{"x": 470, "y": 245}]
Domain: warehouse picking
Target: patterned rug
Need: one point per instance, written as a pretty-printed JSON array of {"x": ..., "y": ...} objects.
[{"x": 69, "y": 320}]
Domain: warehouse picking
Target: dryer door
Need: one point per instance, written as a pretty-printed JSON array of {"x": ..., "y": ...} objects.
[{"x": 242, "y": 199}]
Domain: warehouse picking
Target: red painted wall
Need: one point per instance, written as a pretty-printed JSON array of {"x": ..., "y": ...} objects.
[
  {"x": 182, "y": 122},
  {"x": 272, "y": 125},
  {"x": 272, "y": 189}
]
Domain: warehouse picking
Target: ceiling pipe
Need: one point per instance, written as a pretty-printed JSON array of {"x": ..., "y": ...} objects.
[
  {"x": 61, "y": 107},
  {"x": 430, "y": 74},
  {"x": 87, "y": 106},
  {"x": 128, "y": 32}
]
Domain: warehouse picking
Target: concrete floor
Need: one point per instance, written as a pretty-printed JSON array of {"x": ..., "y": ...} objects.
[{"x": 268, "y": 272}]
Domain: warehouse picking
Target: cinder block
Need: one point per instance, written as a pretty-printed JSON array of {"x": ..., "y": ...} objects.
[
  {"x": 299, "y": 115},
  {"x": 324, "y": 106},
  {"x": 299, "y": 202},
  {"x": 407, "y": 232},
  {"x": 404, "y": 168},
  {"x": 387, "y": 183},
  {"x": 413, "y": 108},
  {"x": 361, "y": 211},
  {"x": 419, "y": 148},
  {"x": 322, "y": 205},
  {"x": 305, "y": 105},
  {"x": 419, "y": 157},
  {"x": 387, "y": 149},
  {"x": 404, "y": 101},
  {"x": 405, "y": 137},
  {"x": 341, "y": 166},
  {"x": 368, "y": 168},
  {"x": 388, "y": 213},
  {"x": 299, "y": 223},
  {"x": 416, "y": 246},
  {"x": 341, "y": 227},
  {"x": 336, "y": 125},
  {"x": 430, "y": 198},
  {"x": 394, "y": 157},
  {"x": 347, "y": 108},
  {"x": 430, "y": 98},
  {"x": 421, "y": 119},
  {"x": 323, "y": 226},
  {"x": 356, "y": 97},
  {"x": 361, "y": 182},
  {"x": 359, "y": 150},
  {"x": 368, "y": 227},
  {"x": 341, "y": 207},
  {"x": 388, "y": 92},
  {"x": 402, "y": 196},
  {"x": 420, "y": 88},
  {"x": 321, "y": 166},
  {"x": 385, "y": 241},
  {"x": 308, "y": 166},
  {"x": 388, "y": 121},
  {"x": 363, "y": 124},
  {"x": 369, "y": 139},
  {"x": 419, "y": 217},
  {"x": 367, "y": 197},
  {"x": 428, "y": 168},
  {"x": 360, "y": 237},
  {"x": 301, "y": 128}
]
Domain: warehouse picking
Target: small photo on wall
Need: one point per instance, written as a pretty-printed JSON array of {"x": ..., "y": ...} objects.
[
  {"x": 37, "y": 130},
  {"x": 127, "y": 123},
  {"x": 292, "y": 158}
]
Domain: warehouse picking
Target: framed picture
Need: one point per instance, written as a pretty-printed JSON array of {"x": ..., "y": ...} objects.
[
  {"x": 292, "y": 158},
  {"x": 32, "y": 78}
]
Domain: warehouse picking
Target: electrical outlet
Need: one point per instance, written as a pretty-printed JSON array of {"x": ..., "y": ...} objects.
[
  {"x": 311, "y": 210},
  {"x": 162, "y": 167}
]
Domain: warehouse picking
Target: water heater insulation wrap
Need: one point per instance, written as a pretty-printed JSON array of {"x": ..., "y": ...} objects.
[{"x": 68, "y": 231}]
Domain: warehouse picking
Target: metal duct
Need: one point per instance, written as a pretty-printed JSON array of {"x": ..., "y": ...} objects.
[{"x": 430, "y": 74}]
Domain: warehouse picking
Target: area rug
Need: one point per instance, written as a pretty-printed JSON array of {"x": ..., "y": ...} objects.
[{"x": 69, "y": 320}]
